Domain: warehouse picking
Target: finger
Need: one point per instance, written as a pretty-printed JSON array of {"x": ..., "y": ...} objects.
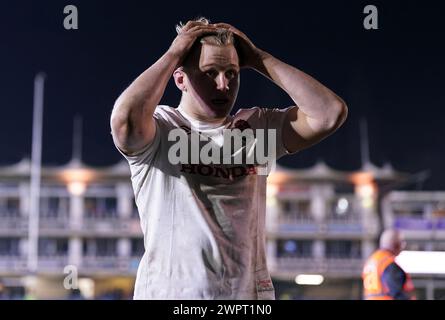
[
  {"x": 202, "y": 26},
  {"x": 231, "y": 28},
  {"x": 191, "y": 23},
  {"x": 227, "y": 26},
  {"x": 223, "y": 25},
  {"x": 198, "y": 30},
  {"x": 185, "y": 27}
]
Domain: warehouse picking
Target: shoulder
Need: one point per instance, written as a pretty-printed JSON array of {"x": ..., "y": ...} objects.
[
  {"x": 261, "y": 111},
  {"x": 168, "y": 117},
  {"x": 269, "y": 117},
  {"x": 254, "y": 113},
  {"x": 164, "y": 111}
]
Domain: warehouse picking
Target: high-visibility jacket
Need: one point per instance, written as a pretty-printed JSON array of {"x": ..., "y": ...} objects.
[{"x": 374, "y": 287}]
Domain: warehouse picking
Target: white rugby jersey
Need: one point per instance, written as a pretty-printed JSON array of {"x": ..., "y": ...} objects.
[{"x": 203, "y": 224}]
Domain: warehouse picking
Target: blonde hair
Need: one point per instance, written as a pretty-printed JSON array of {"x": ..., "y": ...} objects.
[{"x": 222, "y": 36}]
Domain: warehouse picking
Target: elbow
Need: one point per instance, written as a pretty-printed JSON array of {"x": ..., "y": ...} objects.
[
  {"x": 120, "y": 126},
  {"x": 338, "y": 112},
  {"x": 120, "y": 129},
  {"x": 118, "y": 123},
  {"x": 130, "y": 130}
]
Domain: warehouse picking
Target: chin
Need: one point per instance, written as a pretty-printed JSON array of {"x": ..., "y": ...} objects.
[{"x": 220, "y": 111}]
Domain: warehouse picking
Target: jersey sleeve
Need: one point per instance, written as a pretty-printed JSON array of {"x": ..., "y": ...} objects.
[
  {"x": 147, "y": 153},
  {"x": 274, "y": 119}
]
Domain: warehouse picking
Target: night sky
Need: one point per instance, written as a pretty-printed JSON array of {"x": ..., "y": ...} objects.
[{"x": 392, "y": 76}]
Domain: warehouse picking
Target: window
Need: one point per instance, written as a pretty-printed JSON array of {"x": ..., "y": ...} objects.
[
  {"x": 53, "y": 247},
  {"x": 438, "y": 209},
  {"x": 137, "y": 247},
  {"x": 343, "y": 249},
  {"x": 294, "y": 248},
  {"x": 415, "y": 245},
  {"x": 438, "y": 245},
  {"x": 296, "y": 209},
  {"x": 134, "y": 212},
  {"x": 100, "y": 247},
  {"x": 100, "y": 207},
  {"x": 439, "y": 294},
  {"x": 9, "y": 207},
  {"x": 9, "y": 247},
  {"x": 54, "y": 207},
  {"x": 409, "y": 209}
]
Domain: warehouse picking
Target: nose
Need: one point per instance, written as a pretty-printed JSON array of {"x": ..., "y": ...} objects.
[{"x": 222, "y": 83}]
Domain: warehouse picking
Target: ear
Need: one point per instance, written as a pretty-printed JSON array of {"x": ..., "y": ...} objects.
[{"x": 179, "y": 77}]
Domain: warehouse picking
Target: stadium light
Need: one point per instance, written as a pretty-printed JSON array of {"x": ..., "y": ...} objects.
[
  {"x": 77, "y": 180},
  {"x": 309, "y": 279}
]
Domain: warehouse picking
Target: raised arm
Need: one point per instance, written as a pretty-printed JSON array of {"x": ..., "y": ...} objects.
[
  {"x": 318, "y": 112},
  {"x": 132, "y": 122}
]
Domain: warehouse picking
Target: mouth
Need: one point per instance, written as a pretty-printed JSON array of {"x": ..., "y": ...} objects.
[{"x": 220, "y": 102}]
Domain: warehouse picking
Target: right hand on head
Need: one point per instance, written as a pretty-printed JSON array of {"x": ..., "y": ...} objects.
[{"x": 189, "y": 33}]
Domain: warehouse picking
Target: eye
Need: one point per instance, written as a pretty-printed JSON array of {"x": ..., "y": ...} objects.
[
  {"x": 211, "y": 73},
  {"x": 230, "y": 74}
]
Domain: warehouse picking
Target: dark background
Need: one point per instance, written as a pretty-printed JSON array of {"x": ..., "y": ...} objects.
[{"x": 392, "y": 76}]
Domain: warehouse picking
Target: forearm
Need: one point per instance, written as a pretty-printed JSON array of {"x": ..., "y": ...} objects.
[{"x": 315, "y": 100}]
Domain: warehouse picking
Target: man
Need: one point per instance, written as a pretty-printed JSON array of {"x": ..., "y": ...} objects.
[
  {"x": 383, "y": 278},
  {"x": 204, "y": 223}
]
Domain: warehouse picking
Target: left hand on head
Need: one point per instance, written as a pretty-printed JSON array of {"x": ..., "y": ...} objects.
[{"x": 249, "y": 55}]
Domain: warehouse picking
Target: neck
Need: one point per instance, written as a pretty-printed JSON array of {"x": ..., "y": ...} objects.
[{"x": 194, "y": 112}]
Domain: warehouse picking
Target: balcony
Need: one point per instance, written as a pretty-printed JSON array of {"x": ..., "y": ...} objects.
[
  {"x": 413, "y": 223},
  {"x": 54, "y": 225},
  {"x": 53, "y": 264},
  {"x": 420, "y": 227},
  {"x": 13, "y": 225},
  {"x": 341, "y": 225},
  {"x": 12, "y": 264},
  {"x": 108, "y": 264},
  {"x": 297, "y": 265},
  {"x": 112, "y": 225},
  {"x": 295, "y": 222},
  {"x": 330, "y": 267},
  {"x": 343, "y": 267}
]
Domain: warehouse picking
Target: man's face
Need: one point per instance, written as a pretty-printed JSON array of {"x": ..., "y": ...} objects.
[{"x": 214, "y": 79}]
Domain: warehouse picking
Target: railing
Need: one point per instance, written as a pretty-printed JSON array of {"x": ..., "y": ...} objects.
[
  {"x": 103, "y": 223},
  {"x": 344, "y": 266},
  {"x": 347, "y": 224},
  {"x": 112, "y": 224},
  {"x": 289, "y": 223},
  {"x": 112, "y": 264},
  {"x": 299, "y": 265},
  {"x": 296, "y": 222},
  {"x": 13, "y": 224},
  {"x": 53, "y": 263},
  {"x": 54, "y": 223},
  {"x": 419, "y": 223},
  {"x": 12, "y": 264},
  {"x": 8, "y": 212},
  {"x": 335, "y": 267}
]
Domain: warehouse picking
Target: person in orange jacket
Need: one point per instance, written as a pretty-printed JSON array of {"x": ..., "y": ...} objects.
[{"x": 383, "y": 278}]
